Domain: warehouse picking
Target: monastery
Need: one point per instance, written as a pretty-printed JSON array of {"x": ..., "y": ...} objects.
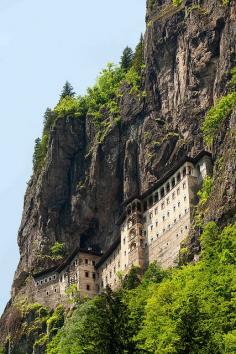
[{"x": 152, "y": 227}]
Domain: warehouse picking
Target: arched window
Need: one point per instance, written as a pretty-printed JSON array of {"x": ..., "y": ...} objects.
[
  {"x": 178, "y": 177},
  {"x": 189, "y": 170},
  {"x": 150, "y": 201},
  {"x": 132, "y": 246},
  {"x": 184, "y": 172},
  {"x": 129, "y": 211},
  {"x": 173, "y": 182},
  {"x": 145, "y": 205},
  {"x": 132, "y": 234},
  {"x": 167, "y": 187},
  {"x": 162, "y": 192},
  {"x": 130, "y": 222},
  {"x": 156, "y": 197}
]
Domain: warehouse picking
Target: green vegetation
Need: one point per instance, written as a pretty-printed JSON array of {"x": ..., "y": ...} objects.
[
  {"x": 220, "y": 111},
  {"x": 190, "y": 309},
  {"x": 58, "y": 249},
  {"x": 100, "y": 104},
  {"x": 126, "y": 59},
  {"x": 217, "y": 114},
  {"x": 73, "y": 294},
  {"x": 205, "y": 191}
]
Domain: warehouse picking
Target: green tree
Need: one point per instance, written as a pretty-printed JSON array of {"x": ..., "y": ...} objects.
[
  {"x": 48, "y": 120},
  {"x": 67, "y": 91},
  {"x": 138, "y": 57},
  {"x": 58, "y": 249},
  {"x": 126, "y": 59}
]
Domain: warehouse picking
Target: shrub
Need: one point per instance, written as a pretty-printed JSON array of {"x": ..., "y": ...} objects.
[
  {"x": 216, "y": 115},
  {"x": 58, "y": 249},
  {"x": 205, "y": 191}
]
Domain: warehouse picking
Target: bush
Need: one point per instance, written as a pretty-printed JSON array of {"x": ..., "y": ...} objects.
[
  {"x": 58, "y": 249},
  {"x": 205, "y": 191},
  {"x": 216, "y": 115}
]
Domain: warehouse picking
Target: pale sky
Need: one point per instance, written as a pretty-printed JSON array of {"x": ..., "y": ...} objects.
[{"x": 43, "y": 44}]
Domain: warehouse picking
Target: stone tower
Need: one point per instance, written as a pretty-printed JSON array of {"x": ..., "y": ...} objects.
[{"x": 135, "y": 240}]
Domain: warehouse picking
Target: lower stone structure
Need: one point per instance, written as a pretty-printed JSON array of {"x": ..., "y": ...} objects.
[{"x": 152, "y": 227}]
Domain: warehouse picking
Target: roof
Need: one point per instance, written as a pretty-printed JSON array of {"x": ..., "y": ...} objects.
[
  {"x": 44, "y": 272},
  {"x": 66, "y": 262},
  {"x": 108, "y": 253}
]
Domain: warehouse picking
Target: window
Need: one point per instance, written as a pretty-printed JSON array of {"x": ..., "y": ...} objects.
[
  {"x": 178, "y": 177},
  {"x": 175, "y": 221},
  {"x": 54, "y": 277},
  {"x": 124, "y": 240},
  {"x": 156, "y": 197},
  {"x": 174, "y": 207},
  {"x": 162, "y": 192},
  {"x": 162, "y": 205},
  {"x": 145, "y": 206},
  {"x": 173, "y": 195},
  {"x": 168, "y": 214},
  {"x": 169, "y": 226},
  {"x": 184, "y": 172},
  {"x": 86, "y": 261},
  {"x": 88, "y": 287},
  {"x": 185, "y": 198},
  {"x": 45, "y": 280},
  {"x": 94, "y": 276},
  {"x": 55, "y": 290},
  {"x": 37, "y": 283},
  {"x": 186, "y": 210},
  {"x": 125, "y": 253},
  {"x": 151, "y": 227},
  {"x": 150, "y": 216},
  {"x": 47, "y": 293},
  {"x": 186, "y": 227},
  {"x": 41, "y": 282},
  {"x": 86, "y": 274},
  {"x": 184, "y": 185},
  {"x": 179, "y": 216},
  {"x": 178, "y": 191},
  {"x": 119, "y": 264},
  {"x": 163, "y": 217},
  {"x": 110, "y": 274},
  {"x": 157, "y": 235},
  {"x": 156, "y": 223},
  {"x": 76, "y": 262},
  {"x": 144, "y": 219},
  {"x": 156, "y": 211},
  {"x": 164, "y": 230},
  {"x": 50, "y": 278},
  {"x": 150, "y": 201},
  {"x": 151, "y": 239},
  {"x": 168, "y": 201},
  {"x": 168, "y": 187},
  {"x": 177, "y": 236},
  {"x": 178, "y": 204},
  {"x": 94, "y": 263},
  {"x": 173, "y": 182}
]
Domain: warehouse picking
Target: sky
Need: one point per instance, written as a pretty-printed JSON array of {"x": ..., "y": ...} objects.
[{"x": 43, "y": 44}]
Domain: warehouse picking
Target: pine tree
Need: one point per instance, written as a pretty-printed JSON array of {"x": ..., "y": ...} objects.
[
  {"x": 138, "y": 58},
  {"x": 37, "y": 153},
  {"x": 67, "y": 91},
  {"x": 49, "y": 117},
  {"x": 126, "y": 59}
]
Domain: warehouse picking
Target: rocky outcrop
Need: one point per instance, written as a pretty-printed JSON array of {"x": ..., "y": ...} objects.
[{"x": 77, "y": 197}]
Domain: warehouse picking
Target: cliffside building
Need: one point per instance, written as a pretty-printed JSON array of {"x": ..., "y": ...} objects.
[{"x": 152, "y": 227}]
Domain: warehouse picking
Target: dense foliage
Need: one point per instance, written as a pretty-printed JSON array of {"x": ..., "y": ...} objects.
[
  {"x": 101, "y": 102},
  {"x": 190, "y": 309},
  {"x": 222, "y": 108}
]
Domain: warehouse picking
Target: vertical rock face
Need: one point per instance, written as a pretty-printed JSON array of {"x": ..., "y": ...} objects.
[{"x": 77, "y": 197}]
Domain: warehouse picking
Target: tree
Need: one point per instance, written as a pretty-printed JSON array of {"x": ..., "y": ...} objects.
[
  {"x": 138, "y": 57},
  {"x": 37, "y": 152},
  {"x": 48, "y": 120},
  {"x": 67, "y": 91},
  {"x": 126, "y": 59}
]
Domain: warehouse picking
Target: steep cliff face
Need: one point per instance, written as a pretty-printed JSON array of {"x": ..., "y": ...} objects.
[{"x": 77, "y": 197}]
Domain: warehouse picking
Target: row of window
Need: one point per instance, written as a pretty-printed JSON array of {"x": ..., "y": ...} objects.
[
  {"x": 46, "y": 280},
  {"x": 163, "y": 207},
  {"x": 167, "y": 188},
  {"x": 168, "y": 228}
]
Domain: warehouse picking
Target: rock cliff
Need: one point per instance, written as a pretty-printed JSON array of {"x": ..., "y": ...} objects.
[{"x": 77, "y": 197}]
